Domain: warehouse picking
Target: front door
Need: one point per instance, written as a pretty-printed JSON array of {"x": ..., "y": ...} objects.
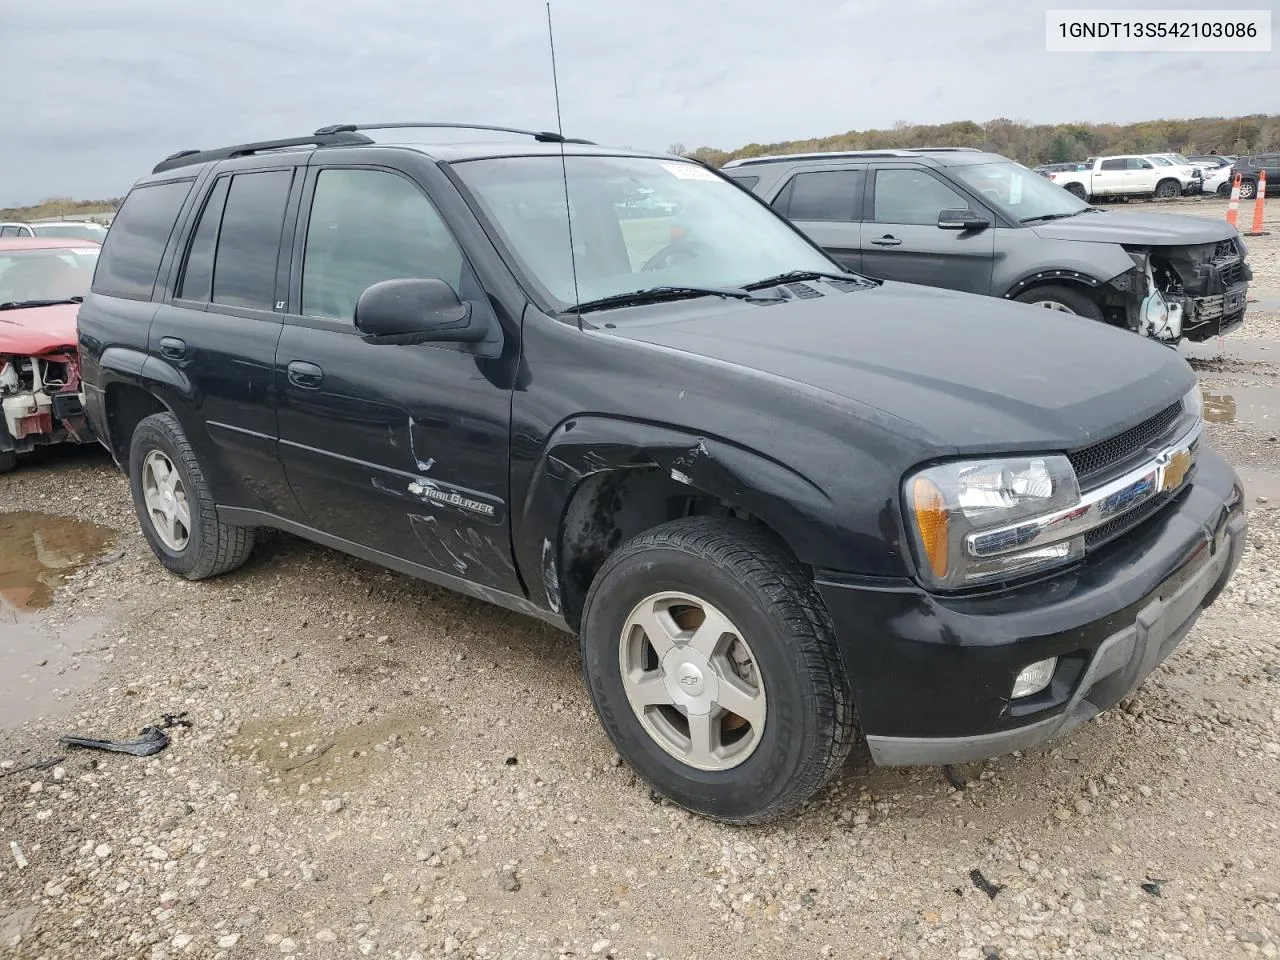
[
  {"x": 398, "y": 448},
  {"x": 901, "y": 239},
  {"x": 218, "y": 334}
]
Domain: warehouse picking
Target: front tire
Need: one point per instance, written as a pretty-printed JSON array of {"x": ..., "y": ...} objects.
[
  {"x": 1168, "y": 189},
  {"x": 8, "y": 461},
  {"x": 713, "y": 666},
  {"x": 1248, "y": 189},
  {"x": 174, "y": 506},
  {"x": 1063, "y": 299}
]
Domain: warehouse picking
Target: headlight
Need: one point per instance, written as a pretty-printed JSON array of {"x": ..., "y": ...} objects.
[
  {"x": 1193, "y": 402},
  {"x": 947, "y": 505}
]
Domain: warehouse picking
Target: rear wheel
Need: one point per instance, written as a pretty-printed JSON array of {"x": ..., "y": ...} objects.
[
  {"x": 1063, "y": 299},
  {"x": 1168, "y": 189},
  {"x": 1248, "y": 189},
  {"x": 1075, "y": 189},
  {"x": 713, "y": 667},
  {"x": 8, "y": 461},
  {"x": 174, "y": 505}
]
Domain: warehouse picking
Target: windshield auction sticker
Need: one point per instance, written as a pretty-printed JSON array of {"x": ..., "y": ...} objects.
[
  {"x": 690, "y": 171},
  {"x": 1157, "y": 31}
]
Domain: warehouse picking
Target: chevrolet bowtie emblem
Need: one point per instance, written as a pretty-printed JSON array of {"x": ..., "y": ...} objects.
[{"x": 1175, "y": 471}]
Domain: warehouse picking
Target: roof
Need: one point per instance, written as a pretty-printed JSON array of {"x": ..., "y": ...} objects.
[
  {"x": 457, "y": 152},
  {"x": 45, "y": 243},
  {"x": 943, "y": 156}
]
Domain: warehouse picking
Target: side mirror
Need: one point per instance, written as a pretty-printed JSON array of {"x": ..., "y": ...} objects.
[
  {"x": 962, "y": 219},
  {"x": 421, "y": 310}
]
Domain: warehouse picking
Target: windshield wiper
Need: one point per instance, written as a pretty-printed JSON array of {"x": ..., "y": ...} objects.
[
  {"x": 659, "y": 295},
  {"x": 795, "y": 276},
  {"x": 24, "y": 304},
  {"x": 1054, "y": 216}
]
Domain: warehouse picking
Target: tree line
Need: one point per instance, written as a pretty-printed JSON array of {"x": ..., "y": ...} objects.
[
  {"x": 59, "y": 207},
  {"x": 1033, "y": 144}
]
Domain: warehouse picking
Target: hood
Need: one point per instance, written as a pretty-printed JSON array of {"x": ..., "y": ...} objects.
[
  {"x": 967, "y": 373},
  {"x": 38, "y": 330},
  {"x": 1137, "y": 229}
]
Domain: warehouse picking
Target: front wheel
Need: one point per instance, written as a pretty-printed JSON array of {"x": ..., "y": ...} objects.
[
  {"x": 713, "y": 666},
  {"x": 1248, "y": 189},
  {"x": 8, "y": 461},
  {"x": 1168, "y": 189},
  {"x": 1063, "y": 299}
]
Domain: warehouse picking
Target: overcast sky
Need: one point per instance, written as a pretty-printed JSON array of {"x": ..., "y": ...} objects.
[{"x": 96, "y": 91}]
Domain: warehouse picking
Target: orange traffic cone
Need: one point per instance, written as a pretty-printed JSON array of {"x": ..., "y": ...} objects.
[
  {"x": 1233, "y": 208},
  {"x": 1258, "y": 200}
]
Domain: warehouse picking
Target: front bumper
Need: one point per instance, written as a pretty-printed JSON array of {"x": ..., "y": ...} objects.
[{"x": 931, "y": 675}]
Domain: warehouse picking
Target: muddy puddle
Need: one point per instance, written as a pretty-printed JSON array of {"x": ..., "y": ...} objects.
[
  {"x": 1256, "y": 406},
  {"x": 1231, "y": 348},
  {"x": 305, "y": 749},
  {"x": 38, "y": 552},
  {"x": 41, "y": 667}
]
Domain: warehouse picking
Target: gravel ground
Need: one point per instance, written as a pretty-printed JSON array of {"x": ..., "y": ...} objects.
[{"x": 380, "y": 768}]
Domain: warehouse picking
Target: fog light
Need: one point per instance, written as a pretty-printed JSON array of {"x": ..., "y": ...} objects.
[{"x": 1034, "y": 678}]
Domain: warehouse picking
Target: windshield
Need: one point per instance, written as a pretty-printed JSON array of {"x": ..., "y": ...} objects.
[
  {"x": 50, "y": 274},
  {"x": 80, "y": 231},
  {"x": 1017, "y": 192},
  {"x": 637, "y": 223}
]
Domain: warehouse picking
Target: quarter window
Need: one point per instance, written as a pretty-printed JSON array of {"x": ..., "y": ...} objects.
[
  {"x": 367, "y": 226},
  {"x": 135, "y": 243},
  {"x": 912, "y": 196}
]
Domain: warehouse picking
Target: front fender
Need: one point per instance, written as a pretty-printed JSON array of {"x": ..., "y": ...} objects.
[{"x": 779, "y": 495}]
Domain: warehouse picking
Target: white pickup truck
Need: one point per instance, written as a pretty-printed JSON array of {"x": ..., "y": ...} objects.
[{"x": 1125, "y": 176}]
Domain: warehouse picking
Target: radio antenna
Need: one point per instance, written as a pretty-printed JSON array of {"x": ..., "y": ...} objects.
[{"x": 564, "y": 164}]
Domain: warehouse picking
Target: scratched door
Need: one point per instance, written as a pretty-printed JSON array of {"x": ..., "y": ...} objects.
[{"x": 399, "y": 448}]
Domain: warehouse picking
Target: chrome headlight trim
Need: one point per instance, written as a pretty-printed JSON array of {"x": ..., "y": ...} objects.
[{"x": 1162, "y": 474}]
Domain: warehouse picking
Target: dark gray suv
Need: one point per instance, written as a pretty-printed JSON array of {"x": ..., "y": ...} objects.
[{"x": 968, "y": 220}]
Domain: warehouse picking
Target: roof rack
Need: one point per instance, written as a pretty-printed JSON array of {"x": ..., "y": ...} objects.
[
  {"x": 542, "y": 136},
  {"x": 846, "y": 154},
  {"x": 184, "y": 158}
]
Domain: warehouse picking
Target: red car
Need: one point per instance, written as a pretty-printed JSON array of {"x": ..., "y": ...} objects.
[{"x": 42, "y": 282}]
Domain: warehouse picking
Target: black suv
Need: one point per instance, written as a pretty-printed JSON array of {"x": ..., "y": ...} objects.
[
  {"x": 1250, "y": 168},
  {"x": 774, "y": 499}
]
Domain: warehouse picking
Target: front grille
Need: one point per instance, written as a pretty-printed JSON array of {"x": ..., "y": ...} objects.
[
  {"x": 1125, "y": 522},
  {"x": 1231, "y": 273},
  {"x": 1097, "y": 462}
]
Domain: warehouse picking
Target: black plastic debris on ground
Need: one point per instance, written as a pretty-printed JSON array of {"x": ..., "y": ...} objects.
[
  {"x": 151, "y": 740},
  {"x": 1154, "y": 887},
  {"x": 985, "y": 885},
  {"x": 38, "y": 765},
  {"x": 954, "y": 777}
]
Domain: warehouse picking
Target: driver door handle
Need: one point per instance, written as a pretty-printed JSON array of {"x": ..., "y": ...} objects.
[
  {"x": 888, "y": 240},
  {"x": 306, "y": 376}
]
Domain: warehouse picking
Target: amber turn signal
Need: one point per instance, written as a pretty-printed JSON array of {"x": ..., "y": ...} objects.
[{"x": 934, "y": 523}]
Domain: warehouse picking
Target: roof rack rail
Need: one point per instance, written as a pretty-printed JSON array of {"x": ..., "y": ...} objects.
[
  {"x": 846, "y": 155},
  {"x": 184, "y": 158},
  {"x": 542, "y": 136}
]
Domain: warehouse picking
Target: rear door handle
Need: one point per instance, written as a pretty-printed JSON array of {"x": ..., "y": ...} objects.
[
  {"x": 172, "y": 348},
  {"x": 306, "y": 376},
  {"x": 888, "y": 240}
]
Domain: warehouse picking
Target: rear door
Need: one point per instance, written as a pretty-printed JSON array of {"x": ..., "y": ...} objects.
[
  {"x": 399, "y": 448},
  {"x": 218, "y": 330},
  {"x": 901, "y": 239},
  {"x": 1109, "y": 177},
  {"x": 827, "y": 205}
]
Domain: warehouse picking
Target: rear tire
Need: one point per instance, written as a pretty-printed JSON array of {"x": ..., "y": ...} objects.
[
  {"x": 1248, "y": 189},
  {"x": 8, "y": 461},
  {"x": 1063, "y": 299},
  {"x": 774, "y": 640},
  {"x": 1075, "y": 189},
  {"x": 174, "y": 506},
  {"x": 1168, "y": 189}
]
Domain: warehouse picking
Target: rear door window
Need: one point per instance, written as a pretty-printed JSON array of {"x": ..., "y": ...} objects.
[
  {"x": 197, "y": 275},
  {"x": 825, "y": 195},
  {"x": 1120, "y": 164},
  {"x": 248, "y": 247},
  {"x": 137, "y": 239},
  {"x": 912, "y": 197}
]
